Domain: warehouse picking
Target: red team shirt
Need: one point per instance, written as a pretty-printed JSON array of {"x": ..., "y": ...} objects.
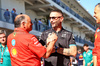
[
  {"x": 24, "y": 48},
  {"x": 96, "y": 50}
]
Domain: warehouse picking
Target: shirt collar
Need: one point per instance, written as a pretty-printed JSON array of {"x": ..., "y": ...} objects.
[
  {"x": 58, "y": 31},
  {"x": 20, "y": 30}
]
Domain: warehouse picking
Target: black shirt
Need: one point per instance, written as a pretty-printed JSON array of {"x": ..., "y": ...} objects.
[
  {"x": 79, "y": 58},
  {"x": 65, "y": 38}
]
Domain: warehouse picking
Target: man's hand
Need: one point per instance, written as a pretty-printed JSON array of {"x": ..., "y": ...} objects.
[
  {"x": 51, "y": 37},
  {"x": 51, "y": 40},
  {"x": 88, "y": 64},
  {"x": 53, "y": 51}
]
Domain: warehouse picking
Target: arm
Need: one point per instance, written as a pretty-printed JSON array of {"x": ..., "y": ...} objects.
[
  {"x": 90, "y": 63},
  {"x": 39, "y": 50},
  {"x": 49, "y": 49},
  {"x": 71, "y": 59},
  {"x": 50, "y": 42},
  {"x": 83, "y": 62},
  {"x": 95, "y": 60},
  {"x": 68, "y": 51},
  {"x": 72, "y": 50}
]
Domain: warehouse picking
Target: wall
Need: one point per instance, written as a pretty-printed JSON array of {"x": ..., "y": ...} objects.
[
  {"x": 32, "y": 14},
  {"x": 76, "y": 30},
  {"x": 19, "y": 5}
]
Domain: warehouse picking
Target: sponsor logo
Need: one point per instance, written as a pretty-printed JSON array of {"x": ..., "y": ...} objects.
[
  {"x": 95, "y": 36},
  {"x": 13, "y": 42},
  {"x": 14, "y": 33},
  {"x": 13, "y": 52}
]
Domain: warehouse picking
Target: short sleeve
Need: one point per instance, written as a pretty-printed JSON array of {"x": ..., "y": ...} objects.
[
  {"x": 72, "y": 40},
  {"x": 36, "y": 47}
]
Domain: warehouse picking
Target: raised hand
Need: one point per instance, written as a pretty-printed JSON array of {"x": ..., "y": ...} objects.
[{"x": 52, "y": 37}]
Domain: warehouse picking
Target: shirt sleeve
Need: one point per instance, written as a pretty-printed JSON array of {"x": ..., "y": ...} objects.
[
  {"x": 42, "y": 39},
  {"x": 83, "y": 55},
  {"x": 72, "y": 40},
  {"x": 36, "y": 47}
]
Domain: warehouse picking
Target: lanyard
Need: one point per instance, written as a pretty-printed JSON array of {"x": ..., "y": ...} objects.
[{"x": 1, "y": 51}]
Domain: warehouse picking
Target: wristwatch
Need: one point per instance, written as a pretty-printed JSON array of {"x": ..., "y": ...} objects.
[{"x": 56, "y": 49}]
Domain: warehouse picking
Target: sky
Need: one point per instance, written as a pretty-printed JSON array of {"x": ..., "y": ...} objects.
[{"x": 89, "y": 5}]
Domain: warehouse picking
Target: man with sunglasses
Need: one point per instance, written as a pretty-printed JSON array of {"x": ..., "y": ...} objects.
[{"x": 65, "y": 45}]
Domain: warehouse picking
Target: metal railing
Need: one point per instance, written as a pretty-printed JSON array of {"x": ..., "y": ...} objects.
[
  {"x": 83, "y": 41},
  {"x": 39, "y": 27},
  {"x": 36, "y": 26},
  {"x": 10, "y": 19},
  {"x": 73, "y": 13}
]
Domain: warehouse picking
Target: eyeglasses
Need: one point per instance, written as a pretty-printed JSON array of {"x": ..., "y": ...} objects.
[{"x": 55, "y": 18}]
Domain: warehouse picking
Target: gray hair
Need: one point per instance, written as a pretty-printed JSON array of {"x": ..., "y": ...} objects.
[{"x": 2, "y": 32}]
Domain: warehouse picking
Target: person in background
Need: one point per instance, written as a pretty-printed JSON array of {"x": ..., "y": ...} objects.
[
  {"x": 36, "y": 23},
  {"x": 13, "y": 12},
  {"x": 79, "y": 57},
  {"x": 7, "y": 15},
  {"x": 39, "y": 24},
  {"x": 4, "y": 53},
  {"x": 87, "y": 56}
]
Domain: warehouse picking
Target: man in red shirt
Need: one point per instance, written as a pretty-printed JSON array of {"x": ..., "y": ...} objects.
[
  {"x": 96, "y": 50},
  {"x": 24, "y": 48}
]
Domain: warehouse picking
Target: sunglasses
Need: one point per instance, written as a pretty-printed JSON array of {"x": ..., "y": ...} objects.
[{"x": 55, "y": 18}]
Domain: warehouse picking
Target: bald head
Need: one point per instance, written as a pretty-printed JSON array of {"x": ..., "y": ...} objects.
[
  {"x": 20, "y": 18},
  {"x": 23, "y": 21}
]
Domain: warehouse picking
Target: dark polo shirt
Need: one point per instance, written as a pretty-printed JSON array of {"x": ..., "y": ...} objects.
[{"x": 65, "y": 39}]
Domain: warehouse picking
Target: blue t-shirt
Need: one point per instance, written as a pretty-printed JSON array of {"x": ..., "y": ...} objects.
[
  {"x": 88, "y": 57},
  {"x": 6, "y": 56},
  {"x": 79, "y": 58}
]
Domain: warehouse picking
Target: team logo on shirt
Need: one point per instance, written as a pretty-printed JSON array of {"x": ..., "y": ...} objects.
[
  {"x": 95, "y": 36},
  {"x": 80, "y": 57},
  {"x": 63, "y": 35},
  {"x": 14, "y": 33},
  {"x": 84, "y": 55},
  {"x": 13, "y": 51},
  {"x": 13, "y": 42}
]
